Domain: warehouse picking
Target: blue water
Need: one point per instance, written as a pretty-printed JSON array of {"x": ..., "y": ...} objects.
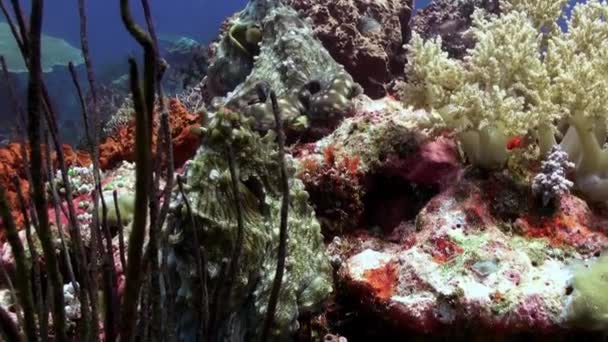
[{"x": 197, "y": 19}]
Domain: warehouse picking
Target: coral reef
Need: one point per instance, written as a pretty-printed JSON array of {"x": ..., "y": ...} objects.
[
  {"x": 367, "y": 37},
  {"x": 335, "y": 189},
  {"x": 463, "y": 264},
  {"x": 187, "y": 61},
  {"x": 12, "y": 164},
  {"x": 543, "y": 77},
  {"x": 119, "y": 146},
  {"x": 382, "y": 149},
  {"x": 445, "y": 211},
  {"x": 308, "y": 276}
]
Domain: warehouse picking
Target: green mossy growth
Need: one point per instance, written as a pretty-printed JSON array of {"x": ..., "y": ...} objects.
[
  {"x": 589, "y": 307},
  {"x": 307, "y": 280}
]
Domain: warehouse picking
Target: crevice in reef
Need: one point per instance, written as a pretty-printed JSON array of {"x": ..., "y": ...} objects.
[{"x": 391, "y": 202}]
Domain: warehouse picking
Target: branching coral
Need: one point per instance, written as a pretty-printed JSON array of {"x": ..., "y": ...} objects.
[
  {"x": 490, "y": 96},
  {"x": 522, "y": 77},
  {"x": 544, "y": 14},
  {"x": 578, "y": 62},
  {"x": 551, "y": 183}
]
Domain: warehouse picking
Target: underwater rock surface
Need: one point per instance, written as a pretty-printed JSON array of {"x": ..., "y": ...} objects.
[
  {"x": 366, "y": 37},
  {"x": 465, "y": 264}
]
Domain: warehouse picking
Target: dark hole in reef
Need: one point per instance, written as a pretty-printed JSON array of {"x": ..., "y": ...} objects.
[
  {"x": 391, "y": 201},
  {"x": 569, "y": 290}
]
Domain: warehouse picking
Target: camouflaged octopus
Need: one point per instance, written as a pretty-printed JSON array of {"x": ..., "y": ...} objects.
[
  {"x": 312, "y": 88},
  {"x": 308, "y": 278}
]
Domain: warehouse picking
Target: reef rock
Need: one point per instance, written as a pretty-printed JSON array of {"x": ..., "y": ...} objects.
[
  {"x": 119, "y": 146},
  {"x": 367, "y": 37},
  {"x": 482, "y": 258},
  {"x": 269, "y": 42},
  {"x": 382, "y": 149},
  {"x": 450, "y": 20},
  {"x": 242, "y": 310}
]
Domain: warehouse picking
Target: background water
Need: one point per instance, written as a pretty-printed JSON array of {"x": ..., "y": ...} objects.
[{"x": 108, "y": 39}]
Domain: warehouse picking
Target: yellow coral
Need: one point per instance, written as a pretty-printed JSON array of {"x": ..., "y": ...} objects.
[
  {"x": 544, "y": 14},
  {"x": 522, "y": 77}
]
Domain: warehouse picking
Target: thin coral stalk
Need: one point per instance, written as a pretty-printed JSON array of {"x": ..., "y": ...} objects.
[
  {"x": 160, "y": 67},
  {"x": 163, "y": 239},
  {"x": 142, "y": 181},
  {"x": 21, "y": 23},
  {"x": 12, "y": 26},
  {"x": 12, "y": 94},
  {"x": 282, "y": 254},
  {"x": 86, "y": 54},
  {"x": 167, "y": 326},
  {"x": 109, "y": 274},
  {"x": 89, "y": 326},
  {"x": 56, "y": 201},
  {"x": 40, "y": 301},
  {"x": 240, "y": 233},
  {"x": 121, "y": 238},
  {"x": 13, "y": 293},
  {"x": 23, "y": 205},
  {"x": 34, "y": 108},
  {"x": 23, "y": 279},
  {"x": 168, "y": 143},
  {"x": 144, "y": 109}
]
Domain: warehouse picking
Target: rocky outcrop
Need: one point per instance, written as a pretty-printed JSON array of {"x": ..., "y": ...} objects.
[
  {"x": 268, "y": 42},
  {"x": 466, "y": 263},
  {"x": 367, "y": 37},
  {"x": 120, "y": 145}
]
